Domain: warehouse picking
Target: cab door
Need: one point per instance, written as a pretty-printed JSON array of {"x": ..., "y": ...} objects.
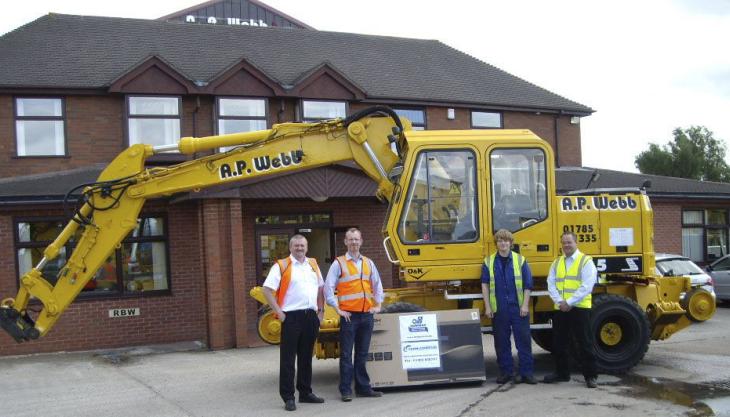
[
  {"x": 520, "y": 185},
  {"x": 435, "y": 216}
]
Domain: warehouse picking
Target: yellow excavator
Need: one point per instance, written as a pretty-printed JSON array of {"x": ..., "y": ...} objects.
[{"x": 448, "y": 191}]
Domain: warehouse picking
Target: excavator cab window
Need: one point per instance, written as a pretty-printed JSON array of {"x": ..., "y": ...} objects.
[
  {"x": 441, "y": 203},
  {"x": 519, "y": 197}
]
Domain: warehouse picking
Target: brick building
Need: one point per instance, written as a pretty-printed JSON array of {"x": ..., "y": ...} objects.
[{"x": 77, "y": 90}]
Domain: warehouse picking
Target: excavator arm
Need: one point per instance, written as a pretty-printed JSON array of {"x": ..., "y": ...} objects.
[{"x": 112, "y": 205}]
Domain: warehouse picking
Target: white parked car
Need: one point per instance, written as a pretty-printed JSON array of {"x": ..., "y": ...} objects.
[{"x": 700, "y": 302}]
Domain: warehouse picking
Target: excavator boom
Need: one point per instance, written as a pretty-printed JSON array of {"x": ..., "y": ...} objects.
[{"x": 111, "y": 205}]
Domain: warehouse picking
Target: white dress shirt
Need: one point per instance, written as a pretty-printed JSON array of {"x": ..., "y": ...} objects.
[
  {"x": 303, "y": 287},
  {"x": 587, "y": 275}
]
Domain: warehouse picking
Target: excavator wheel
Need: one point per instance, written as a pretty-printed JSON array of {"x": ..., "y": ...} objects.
[
  {"x": 621, "y": 333},
  {"x": 700, "y": 305},
  {"x": 402, "y": 307},
  {"x": 543, "y": 338},
  {"x": 269, "y": 327}
]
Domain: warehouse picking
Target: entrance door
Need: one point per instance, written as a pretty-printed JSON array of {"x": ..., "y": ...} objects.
[
  {"x": 273, "y": 232},
  {"x": 318, "y": 244},
  {"x": 272, "y": 245}
]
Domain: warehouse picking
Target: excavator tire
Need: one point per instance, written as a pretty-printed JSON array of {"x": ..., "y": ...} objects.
[
  {"x": 621, "y": 333},
  {"x": 402, "y": 307},
  {"x": 543, "y": 338}
]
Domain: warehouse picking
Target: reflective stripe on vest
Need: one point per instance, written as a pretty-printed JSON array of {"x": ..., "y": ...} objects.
[
  {"x": 354, "y": 292},
  {"x": 517, "y": 262},
  {"x": 567, "y": 282},
  {"x": 285, "y": 271}
]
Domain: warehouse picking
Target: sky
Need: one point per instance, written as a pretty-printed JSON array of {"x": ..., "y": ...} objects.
[{"x": 646, "y": 67}]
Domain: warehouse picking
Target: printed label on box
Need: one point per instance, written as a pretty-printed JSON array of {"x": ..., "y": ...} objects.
[
  {"x": 418, "y": 327},
  {"x": 421, "y": 355}
]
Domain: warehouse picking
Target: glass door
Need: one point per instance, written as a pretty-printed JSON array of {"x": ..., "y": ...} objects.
[{"x": 272, "y": 245}]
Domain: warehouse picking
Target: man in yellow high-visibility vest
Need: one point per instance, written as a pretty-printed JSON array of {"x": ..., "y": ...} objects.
[{"x": 570, "y": 283}]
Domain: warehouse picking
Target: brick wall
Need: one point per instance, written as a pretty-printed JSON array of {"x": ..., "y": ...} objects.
[
  {"x": 95, "y": 129},
  {"x": 667, "y": 227},
  {"x": 86, "y": 324},
  {"x": 543, "y": 125}
]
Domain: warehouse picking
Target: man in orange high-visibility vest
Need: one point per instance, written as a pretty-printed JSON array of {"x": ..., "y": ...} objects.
[
  {"x": 359, "y": 295},
  {"x": 293, "y": 289}
]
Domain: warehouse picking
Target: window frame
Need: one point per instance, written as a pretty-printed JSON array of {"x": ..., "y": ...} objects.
[
  {"x": 61, "y": 118},
  {"x": 407, "y": 195},
  {"x": 491, "y": 184},
  {"x": 121, "y": 292},
  {"x": 473, "y": 126},
  {"x": 128, "y": 116},
  {"x": 305, "y": 119},
  {"x": 423, "y": 125},
  {"x": 217, "y": 114},
  {"x": 705, "y": 227}
]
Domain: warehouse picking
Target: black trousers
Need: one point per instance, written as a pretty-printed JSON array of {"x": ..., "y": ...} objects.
[
  {"x": 573, "y": 325},
  {"x": 298, "y": 333}
]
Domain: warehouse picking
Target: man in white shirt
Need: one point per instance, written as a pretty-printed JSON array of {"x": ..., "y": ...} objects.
[
  {"x": 293, "y": 289},
  {"x": 570, "y": 283}
]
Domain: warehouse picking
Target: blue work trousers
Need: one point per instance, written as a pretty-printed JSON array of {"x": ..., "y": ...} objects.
[
  {"x": 355, "y": 334},
  {"x": 506, "y": 322}
]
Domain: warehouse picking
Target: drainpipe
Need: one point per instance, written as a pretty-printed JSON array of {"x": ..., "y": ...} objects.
[
  {"x": 195, "y": 116},
  {"x": 556, "y": 119},
  {"x": 282, "y": 109}
]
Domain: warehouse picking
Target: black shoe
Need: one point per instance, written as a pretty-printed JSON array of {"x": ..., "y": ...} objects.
[
  {"x": 529, "y": 379},
  {"x": 503, "y": 379},
  {"x": 552, "y": 378},
  {"x": 346, "y": 398},
  {"x": 289, "y": 405},
  {"x": 370, "y": 393},
  {"x": 310, "y": 398},
  {"x": 591, "y": 382}
]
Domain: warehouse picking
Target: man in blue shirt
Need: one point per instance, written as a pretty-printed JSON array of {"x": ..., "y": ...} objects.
[{"x": 506, "y": 287}]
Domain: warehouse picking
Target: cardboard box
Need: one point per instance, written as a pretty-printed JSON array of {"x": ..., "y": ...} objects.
[{"x": 431, "y": 347}]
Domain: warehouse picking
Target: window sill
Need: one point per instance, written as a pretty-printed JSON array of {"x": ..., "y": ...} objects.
[
  {"x": 111, "y": 295},
  {"x": 41, "y": 156}
]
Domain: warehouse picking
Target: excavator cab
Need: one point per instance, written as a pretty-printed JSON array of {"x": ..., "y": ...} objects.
[{"x": 456, "y": 191}]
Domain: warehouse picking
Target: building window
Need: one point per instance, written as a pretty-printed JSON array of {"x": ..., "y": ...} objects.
[
  {"x": 315, "y": 111},
  {"x": 704, "y": 234},
  {"x": 417, "y": 117},
  {"x": 139, "y": 265},
  {"x": 240, "y": 115},
  {"x": 486, "y": 120},
  {"x": 153, "y": 120},
  {"x": 39, "y": 127}
]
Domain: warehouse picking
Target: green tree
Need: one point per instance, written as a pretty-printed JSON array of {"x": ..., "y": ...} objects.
[{"x": 694, "y": 153}]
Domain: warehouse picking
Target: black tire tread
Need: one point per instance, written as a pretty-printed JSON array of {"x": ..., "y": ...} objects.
[
  {"x": 621, "y": 368},
  {"x": 402, "y": 307}
]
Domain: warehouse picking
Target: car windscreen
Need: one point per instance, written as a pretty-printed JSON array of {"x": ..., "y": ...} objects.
[{"x": 678, "y": 267}]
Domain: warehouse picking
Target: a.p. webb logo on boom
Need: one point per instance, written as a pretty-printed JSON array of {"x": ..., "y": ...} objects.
[{"x": 260, "y": 164}]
